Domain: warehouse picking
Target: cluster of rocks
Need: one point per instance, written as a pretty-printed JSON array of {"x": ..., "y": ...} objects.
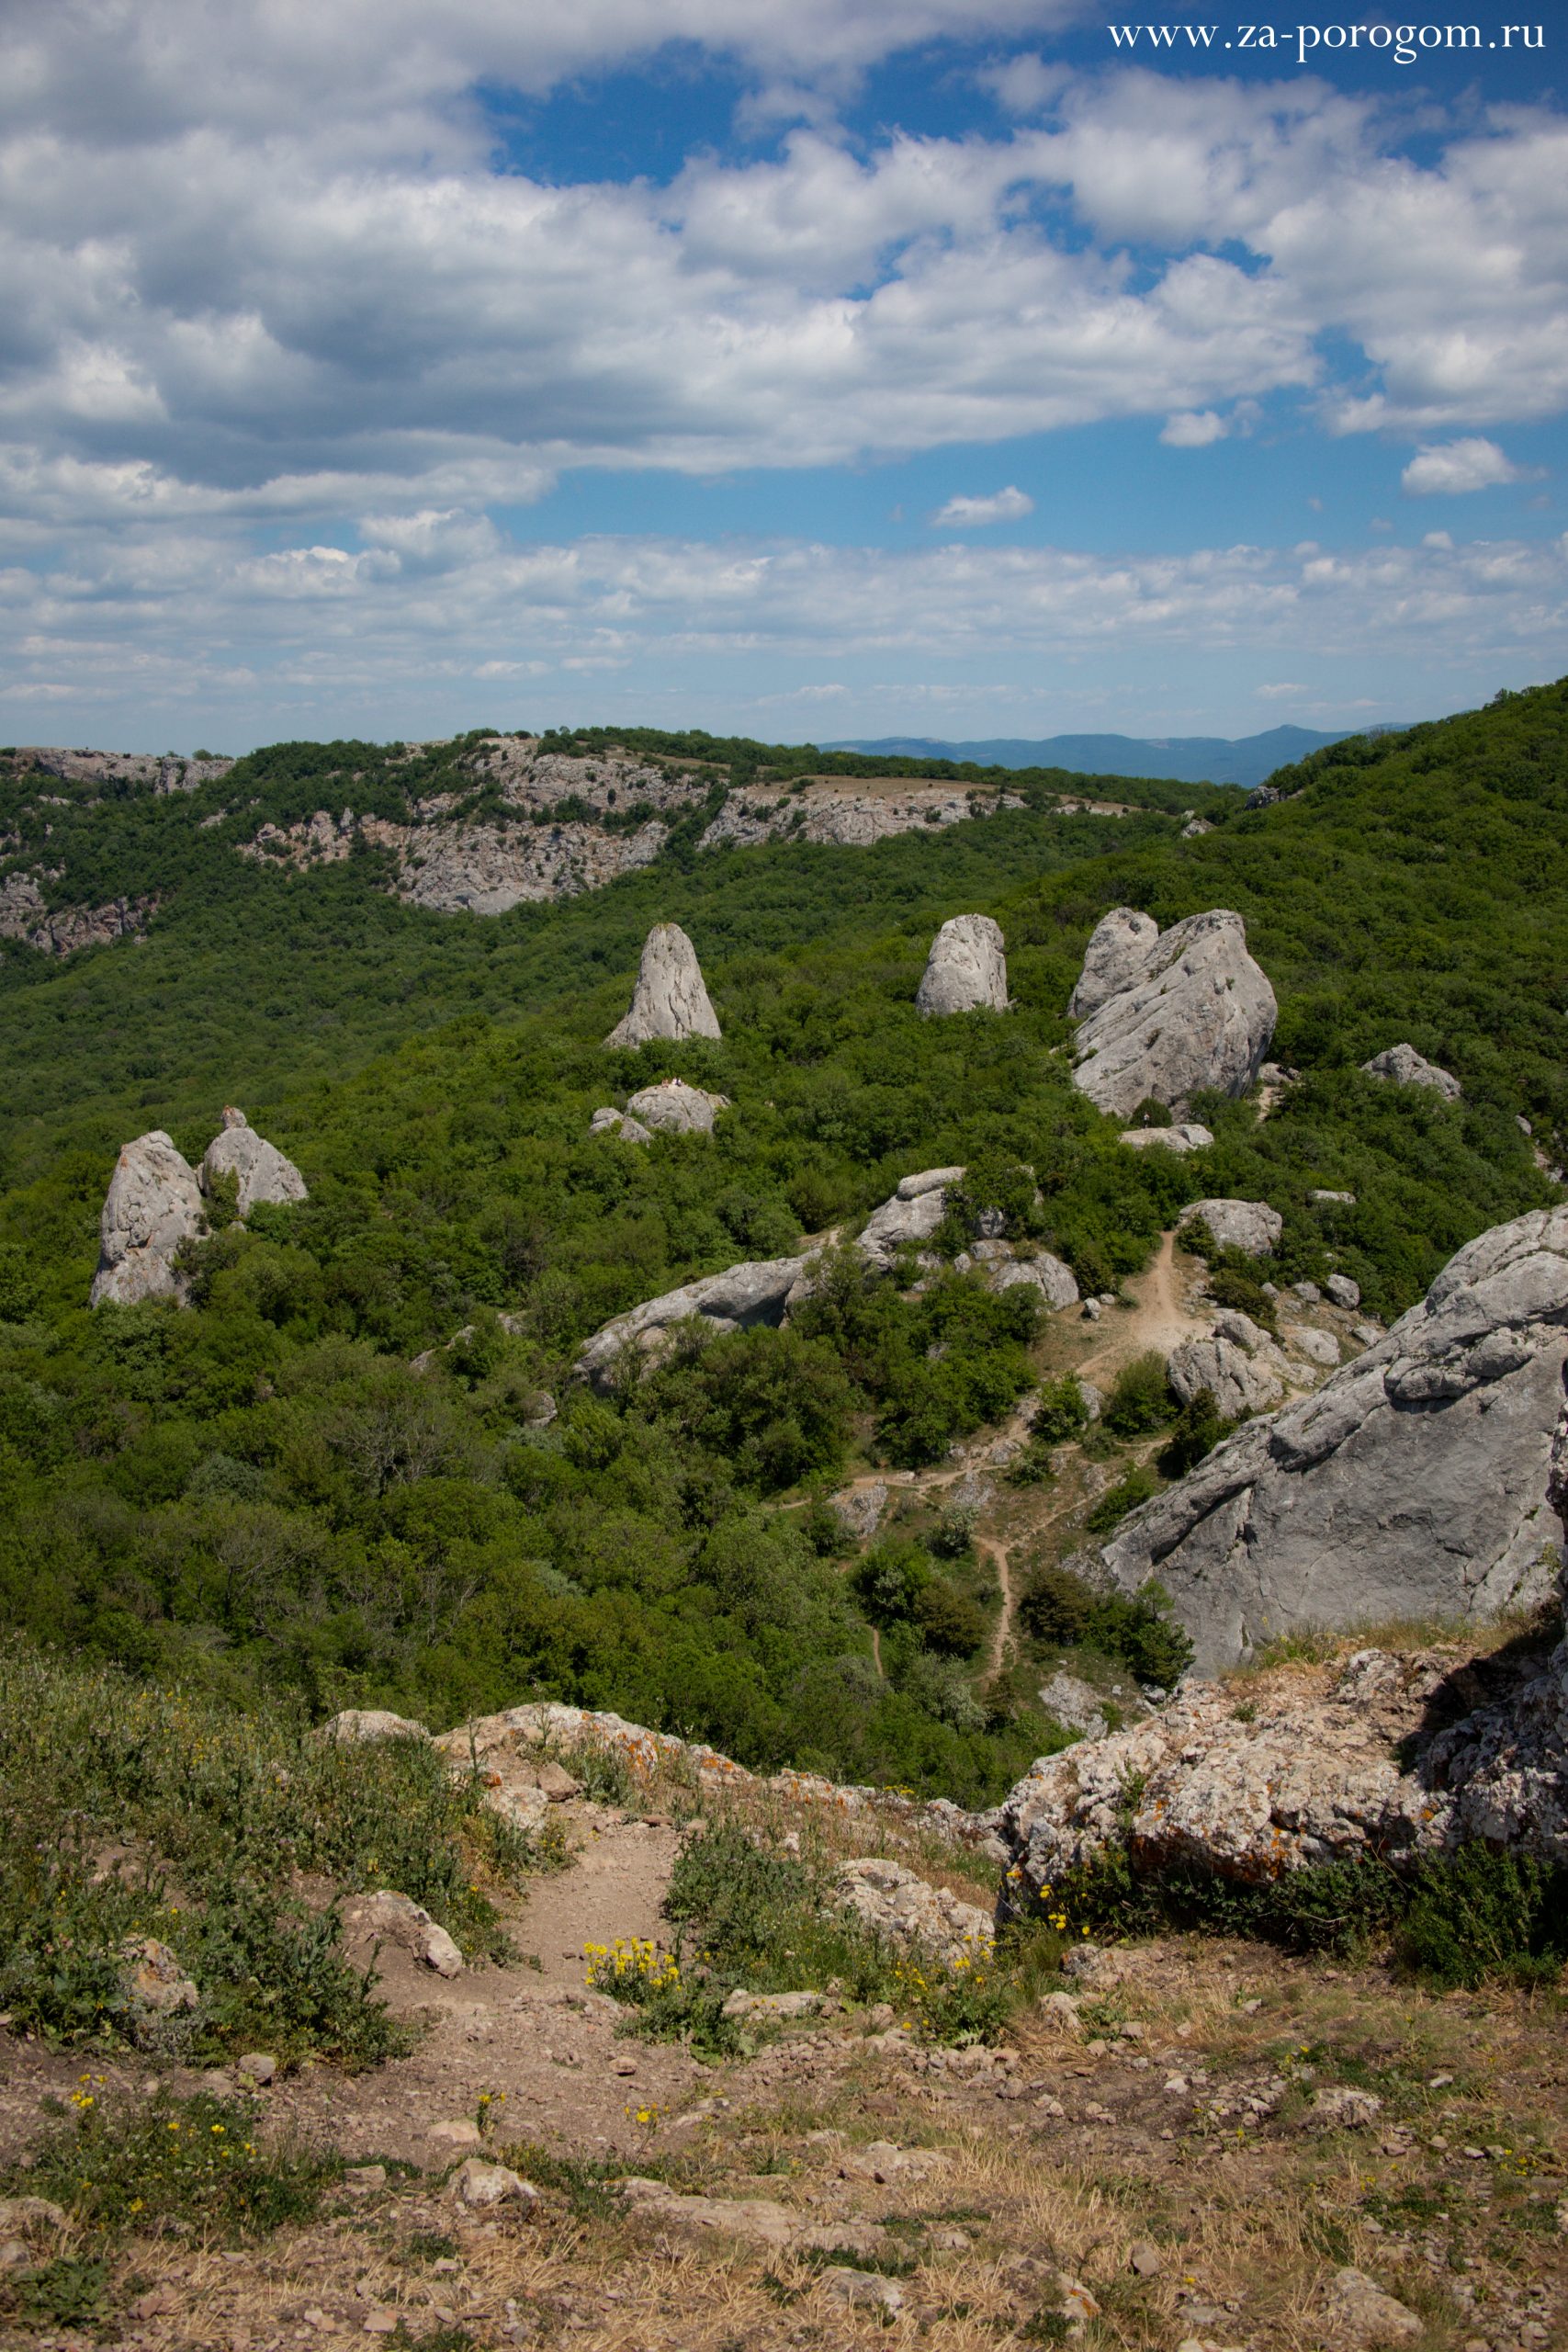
[
  {"x": 1402, "y": 1066},
  {"x": 156, "y": 1204},
  {"x": 25, "y": 915},
  {"x": 833, "y": 812},
  {"x": 163, "y": 772},
  {"x": 1165, "y": 1015}
]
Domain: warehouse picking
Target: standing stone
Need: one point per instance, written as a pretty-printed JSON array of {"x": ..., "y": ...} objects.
[
  {"x": 1192, "y": 1011},
  {"x": 966, "y": 970},
  {"x": 152, "y": 1205},
  {"x": 670, "y": 1000},
  {"x": 263, "y": 1172},
  {"x": 1402, "y": 1066}
]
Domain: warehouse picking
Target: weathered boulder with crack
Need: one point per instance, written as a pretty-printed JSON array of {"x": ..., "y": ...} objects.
[
  {"x": 671, "y": 998},
  {"x": 911, "y": 1216},
  {"x": 1250, "y": 1226},
  {"x": 1055, "y": 1280},
  {"x": 756, "y": 1292},
  {"x": 262, "y": 1170},
  {"x": 610, "y": 1122},
  {"x": 152, "y": 1205},
  {"x": 674, "y": 1108},
  {"x": 966, "y": 970},
  {"x": 1409, "y": 1484},
  {"x": 1167, "y": 1017},
  {"x": 1241, "y": 1381},
  {"x": 1402, "y": 1066}
]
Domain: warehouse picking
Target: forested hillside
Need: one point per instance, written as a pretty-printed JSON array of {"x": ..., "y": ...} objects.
[{"x": 260, "y": 1490}]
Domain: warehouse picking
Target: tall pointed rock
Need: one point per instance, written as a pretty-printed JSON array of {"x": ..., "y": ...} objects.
[
  {"x": 670, "y": 1000},
  {"x": 152, "y": 1205},
  {"x": 966, "y": 970},
  {"x": 262, "y": 1170}
]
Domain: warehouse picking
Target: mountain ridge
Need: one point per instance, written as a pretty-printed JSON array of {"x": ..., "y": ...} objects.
[{"x": 1190, "y": 758}]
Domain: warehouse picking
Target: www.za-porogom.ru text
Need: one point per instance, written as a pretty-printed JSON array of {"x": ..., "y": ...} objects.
[{"x": 1402, "y": 44}]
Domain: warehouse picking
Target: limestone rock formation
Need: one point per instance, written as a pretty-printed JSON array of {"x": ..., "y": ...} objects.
[
  {"x": 1402, "y": 1066},
  {"x": 610, "y": 1122},
  {"x": 670, "y": 1000},
  {"x": 1055, "y": 1280},
  {"x": 264, "y": 1173},
  {"x": 912, "y": 1215},
  {"x": 1250, "y": 1226},
  {"x": 754, "y": 1293},
  {"x": 672, "y": 1108},
  {"x": 906, "y": 1909},
  {"x": 1409, "y": 1484},
  {"x": 152, "y": 1205},
  {"x": 966, "y": 970},
  {"x": 1162, "y": 1018},
  {"x": 1242, "y": 1381},
  {"x": 24, "y": 915},
  {"x": 1180, "y": 1140}
]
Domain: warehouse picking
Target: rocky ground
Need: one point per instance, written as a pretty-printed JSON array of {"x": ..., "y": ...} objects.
[{"x": 1179, "y": 2143}]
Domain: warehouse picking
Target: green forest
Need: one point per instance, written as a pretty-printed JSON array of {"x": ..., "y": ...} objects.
[{"x": 261, "y": 1493}]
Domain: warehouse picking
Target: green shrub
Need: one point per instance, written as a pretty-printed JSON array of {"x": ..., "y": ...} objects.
[
  {"x": 1198, "y": 1429},
  {"x": 122, "y": 2166},
  {"x": 1060, "y": 1411},
  {"x": 1138, "y": 1487},
  {"x": 1056, "y": 1606},
  {"x": 1060, "y": 1608},
  {"x": 1140, "y": 1399},
  {"x": 1481, "y": 1915},
  {"x": 949, "y": 1622}
]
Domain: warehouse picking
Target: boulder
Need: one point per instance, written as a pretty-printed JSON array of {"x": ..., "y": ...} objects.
[
  {"x": 409, "y": 1924},
  {"x": 911, "y": 1216},
  {"x": 1402, "y": 1066},
  {"x": 671, "y": 1108},
  {"x": 1240, "y": 1383},
  {"x": 1321, "y": 1199},
  {"x": 356, "y": 1724},
  {"x": 1189, "y": 1011},
  {"x": 903, "y": 1909},
  {"x": 1343, "y": 1291},
  {"x": 755, "y": 1291},
  {"x": 154, "y": 1204},
  {"x": 1180, "y": 1140},
  {"x": 1409, "y": 1484},
  {"x": 610, "y": 1122},
  {"x": 1250, "y": 1226},
  {"x": 155, "y": 1985},
  {"x": 966, "y": 970},
  {"x": 263, "y": 1172},
  {"x": 1077, "y": 1705},
  {"x": 669, "y": 999},
  {"x": 1055, "y": 1282}
]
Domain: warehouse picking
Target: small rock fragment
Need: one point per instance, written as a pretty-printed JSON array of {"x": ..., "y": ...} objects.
[
  {"x": 480, "y": 2185},
  {"x": 864, "y": 2287},
  {"x": 456, "y": 2133},
  {"x": 1360, "y": 2312},
  {"x": 1144, "y": 2259}
]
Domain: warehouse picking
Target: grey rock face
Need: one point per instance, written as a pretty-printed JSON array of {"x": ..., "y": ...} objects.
[
  {"x": 1190, "y": 1010},
  {"x": 264, "y": 1173},
  {"x": 152, "y": 1206},
  {"x": 1251, "y": 1225},
  {"x": 1342, "y": 1291},
  {"x": 1180, "y": 1140},
  {"x": 670, "y": 1000},
  {"x": 912, "y": 1215},
  {"x": 966, "y": 970},
  {"x": 907, "y": 1910},
  {"x": 757, "y": 1292},
  {"x": 610, "y": 1122},
  {"x": 1321, "y": 1199},
  {"x": 1402, "y": 1066},
  {"x": 1055, "y": 1281},
  {"x": 1119, "y": 948},
  {"x": 1077, "y": 1705},
  {"x": 1408, "y": 1485},
  {"x": 24, "y": 915},
  {"x": 674, "y": 1108}
]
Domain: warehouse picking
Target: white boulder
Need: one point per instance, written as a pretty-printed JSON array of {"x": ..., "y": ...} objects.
[
  {"x": 671, "y": 1108},
  {"x": 262, "y": 1170},
  {"x": 671, "y": 998},
  {"x": 1180, "y": 1140},
  {"x": 966, "y": 970},
  {"x": 1189, "y": 1011},
  {"x": 1248, "y": 1226},
  {"x": 1402, "y": 1066},
  {"x": 152, "y": 1206}
]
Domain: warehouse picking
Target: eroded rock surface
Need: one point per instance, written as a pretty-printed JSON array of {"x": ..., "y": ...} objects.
[
  {"x": 966, "y": 970},
  {"x": 1167, "y": 1017},
  {"x": 152, "y": 1205},
  {"x": 910, "y": 1217},
  {"x": 756, "y": 1292},
  {"x": 61, "y": 932},
  {"x": 1409, "y": 1484},
  {"x": 1402, "y": 1066},
  {"x": 1250, "y": 1226},
  {"x": 263, "y": 1172},
  {"x": 1181, "y": 1138},
  {"x": 671, "y": 1108},
  {"x": 904, "y": 1908},
  {"x": 671, "y": 998}
]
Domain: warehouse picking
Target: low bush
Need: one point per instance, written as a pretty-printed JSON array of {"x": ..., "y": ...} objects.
[
  {"x": 1198, "y": 1429},
  {"x": 1139, "y": 1485},
  {"x": 1140, "y": 1399},
  {"x": 1062, "y": 1610}
]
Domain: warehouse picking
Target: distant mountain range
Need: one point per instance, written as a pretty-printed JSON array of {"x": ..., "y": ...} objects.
[{"x": 1191, "y": 759}]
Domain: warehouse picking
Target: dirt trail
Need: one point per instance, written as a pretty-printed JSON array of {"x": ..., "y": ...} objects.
[
  {"x": 1159, "y": 1317},
  {"x": 998, "y": 1553}
]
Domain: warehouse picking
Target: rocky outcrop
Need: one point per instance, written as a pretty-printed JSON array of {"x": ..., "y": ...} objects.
[
  {"x": 910, "y": 1218},
  {"x": 154, "y": 1204},
  {"x": 166, "y": 771},
  {"x": 1402, "y": 1066},
  {"x": 1409, "y": 1484},
  {"x": 845, "y": 812},
  {"x": 966, "y": 970},
  {"x": 674, "y": 1108},
  {"x": 610, "y": 1122},
  {"x": 1243, "y": 1377},
  {"x": 670, "y": 1000},
  {"x": 1251, "y": 1226},
  {"x": 24, "y": 915},
  {"x": 1165, "y": 1015},
  {"x": 755, "y": 1293},
  {"x": 1056, "y": 1283},
  {"x": 904, "y": 1909},
  {"x": 1180, "y": 1140},
  {"x": 261, "y": 1171}
]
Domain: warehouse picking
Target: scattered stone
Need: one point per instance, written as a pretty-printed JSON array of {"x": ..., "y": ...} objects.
[
  {"x": 381, "y": 2321},
  {"x": 1359, "y": 2313},
  {"x": 907, "y": 1909},
  {"x": 672, "y": 1108},
  {"x": 1410, "y": 1485},
  {"x": 1167, "y": 1017},
  {"x": 861, "y": 1508},
  {"x": 1322, "y": 1199},
  {"x": 671, "y": 998},
  {"x": 408, "y": 1924},
  {"x": 966, "y": 970},
  {"x": 480, "y": 2186},
  {"x": 363, "y": 2179},
  {"x": 1077, "y": 1705},
  {"x": 610, "y": 1122},
  {"x": 20, "y": 2215},
  {"x": 864, "y": 2287},
  {"x": 1343, "y": 1291},
  {"x": 1239, "y": 1380},
  {"x": 1308, "y": 1293},
  {"x": 260, "y": 1168},
  {"x": 1181, "y": 1139},
  {"x": 1092, "y": 1310},
  {"x": 1054, "y": 1281},
  {"x": 1144, "y": 2259},
  {"x": 741, "y": 2003},
  {"x": 259, "y": 2064},
  {"x": 1077, "y": 2304},
  {"x": 152, "y": 1209},
  {"x": 1344, "y": 2109},
  {"x": 1402, "y": 1066},
  {"x": 372, "y": 1723},
  {"x": 1251, "y": 1226},
  {"x": 1319, "y": 1347},
  {"x": 1060, "y": 2010},
  {"x": 156, "y": 1983},
  {"x": 457, "y": 2131}
]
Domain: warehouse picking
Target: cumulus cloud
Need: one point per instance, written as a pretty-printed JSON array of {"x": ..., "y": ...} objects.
[
  {"x": 1279, "y": 690},
  {"x": 1455, "y": 465},
  {"x": 962, "y": 513},
  {"x": 1194, "y": 429}
]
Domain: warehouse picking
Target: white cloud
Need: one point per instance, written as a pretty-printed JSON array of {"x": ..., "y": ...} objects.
[
  {"x": 1278, "y": 692},
  {"x": 1454, "y": 466},
  {"x": 1194, "y": 429},
  {"x": 962, "y": 513}
]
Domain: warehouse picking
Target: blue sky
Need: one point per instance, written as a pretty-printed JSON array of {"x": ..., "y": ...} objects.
[{"x": 874, "y": 366}]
